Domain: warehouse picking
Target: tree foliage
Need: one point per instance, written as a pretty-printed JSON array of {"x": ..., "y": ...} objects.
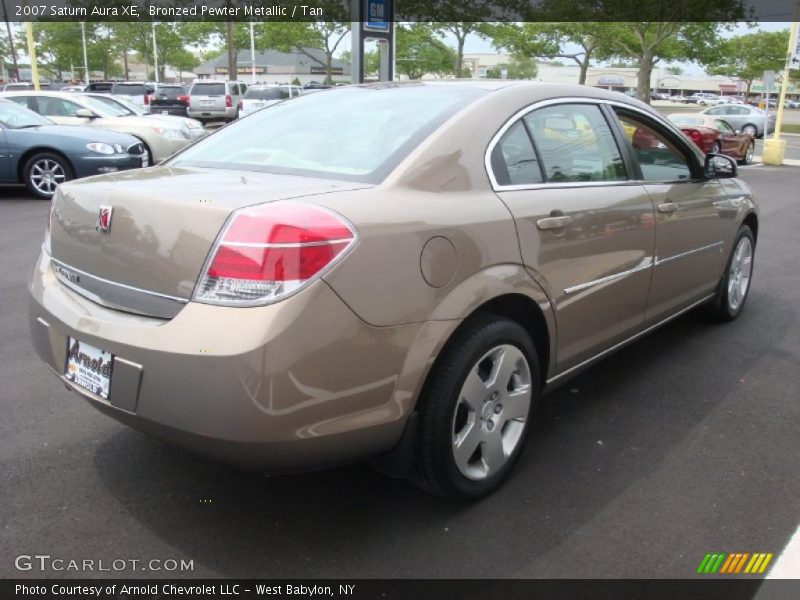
[
  {"x": 746, "y": 57},
  {"x": 420, "y": 51}
]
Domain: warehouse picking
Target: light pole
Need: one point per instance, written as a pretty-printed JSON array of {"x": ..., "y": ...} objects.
[
  {"x": 85, "y": 59},
  {"x": 252, "y": 53},
  {"x": 32, "y": 55},
  {"x": 155, "y": 51}
]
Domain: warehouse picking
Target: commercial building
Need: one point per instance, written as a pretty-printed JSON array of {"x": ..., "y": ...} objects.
[{"x": 272, "y": 66}]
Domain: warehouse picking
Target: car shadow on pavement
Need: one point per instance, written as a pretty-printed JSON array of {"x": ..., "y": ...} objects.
[{"x": 596, "y": 436}]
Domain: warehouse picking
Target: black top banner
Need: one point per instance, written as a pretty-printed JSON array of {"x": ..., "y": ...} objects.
[{"x": 406, "y": 10}]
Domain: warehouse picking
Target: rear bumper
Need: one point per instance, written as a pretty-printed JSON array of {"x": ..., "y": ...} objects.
[
  {"x": 178, "y": 111},
  {"x": 212, "y": 113},
  {"x": 296, "y": 385}
]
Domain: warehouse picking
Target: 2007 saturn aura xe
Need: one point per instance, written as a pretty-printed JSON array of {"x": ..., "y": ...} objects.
[{"x": 389, "y": 271}]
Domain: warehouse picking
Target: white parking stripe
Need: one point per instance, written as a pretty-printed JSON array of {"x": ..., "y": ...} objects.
[{"x": 787, "y": 565}]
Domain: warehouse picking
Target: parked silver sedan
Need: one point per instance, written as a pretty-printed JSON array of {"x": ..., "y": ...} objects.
[{"x": 747, "y": 119}]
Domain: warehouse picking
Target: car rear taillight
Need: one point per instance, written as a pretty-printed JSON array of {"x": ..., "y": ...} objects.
[
  {"x": 267, "y": 252},
  {"x": 228, "y": 102},
  {"x": 183, "y": 99},
  {"x": 695, "y": 136},
  {"x": 147, "y": 99}
]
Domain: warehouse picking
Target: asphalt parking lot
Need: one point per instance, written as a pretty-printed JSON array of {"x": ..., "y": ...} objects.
[{"x": 685, "y": 443}]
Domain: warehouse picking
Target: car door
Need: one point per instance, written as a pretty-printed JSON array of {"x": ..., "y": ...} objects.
[
  {"x": 691, "y": 216},
  {"x": 585, "y": 231},
  {"x": 733, "y": 144}
]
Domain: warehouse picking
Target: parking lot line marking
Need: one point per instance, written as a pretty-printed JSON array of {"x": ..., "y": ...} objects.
[{"x": 787, "y": 565}]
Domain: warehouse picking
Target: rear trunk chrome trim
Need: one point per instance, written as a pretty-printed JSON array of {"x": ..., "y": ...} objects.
[{"x": 117, "y": 296}]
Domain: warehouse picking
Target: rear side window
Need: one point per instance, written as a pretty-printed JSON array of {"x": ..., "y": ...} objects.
[
  {"x": 575, "y": 144},
  {"x": 208, "y": 89},
  {"x": 514, "y": 160}
]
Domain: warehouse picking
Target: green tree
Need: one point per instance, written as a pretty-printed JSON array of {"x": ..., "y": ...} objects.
[
  {"x": 421, "y": 51},
  {"x": 580, "y": 42},
  {"x": 675, "y": 70},
  {"x": 746, "y": 57},
  {"x": 298, "y": 36}
]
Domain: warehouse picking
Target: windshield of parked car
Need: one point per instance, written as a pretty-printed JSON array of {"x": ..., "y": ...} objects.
[
  {"x": 272, "y": 93},
  {"x": 358, "y": 134},
  {"x": 14, "y": 116},
  {"x": 687, "y": 120},
  {"x": 105, "y": 108},
  {"x": 116, "y": 104}
]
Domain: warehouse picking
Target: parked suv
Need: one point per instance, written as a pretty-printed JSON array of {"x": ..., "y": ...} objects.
[
  {"x": 212, "y": 100},
  {"x": 138, "y": 92},
  {"x": 260, "y": 96},
  {"x": 170, "y": 100}
]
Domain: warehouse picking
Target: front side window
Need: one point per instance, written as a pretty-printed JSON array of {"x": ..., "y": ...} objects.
[
  {"x": 723, "y": 126},
  {"x": 660, "y": 159},
  {"x": 514, "y": 160},
  {"x": 575, "y": 144},
  {"x": 56, "y": 107}
]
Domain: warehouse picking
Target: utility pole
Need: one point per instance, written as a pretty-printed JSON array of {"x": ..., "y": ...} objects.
[
  {"x": 232, "y": 73},
  {"x": 253, "y": 52},
  {"x": 775, "y": 148},
  {"x": 85, "y": 57},
  {"x": 155, "y": 51},
  {"x": 32, "y": 55}
]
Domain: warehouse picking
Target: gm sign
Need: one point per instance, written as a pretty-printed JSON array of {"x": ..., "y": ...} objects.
[{"x": 377, "y": 15}]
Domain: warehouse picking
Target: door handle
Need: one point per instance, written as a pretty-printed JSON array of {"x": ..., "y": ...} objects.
[
  {"x": 554, "y": 222},
  {"x": 667, "y": 207}
]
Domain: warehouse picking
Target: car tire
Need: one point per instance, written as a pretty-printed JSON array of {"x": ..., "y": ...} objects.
[
  {"x": 749, "y": 153},
  {"x": 482, "y": 392},
  {"x": 750, "y": 130},
  {"x": 716, "y": 148},
  {"x": 734, "y": 287},
  {"x": 43, "y": 171}
]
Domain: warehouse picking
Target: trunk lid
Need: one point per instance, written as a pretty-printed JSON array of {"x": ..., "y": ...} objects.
[{"x": 163, "y": 224}]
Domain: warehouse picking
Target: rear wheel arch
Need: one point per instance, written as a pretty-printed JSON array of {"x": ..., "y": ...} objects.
[{"x": 751, "y": 220}]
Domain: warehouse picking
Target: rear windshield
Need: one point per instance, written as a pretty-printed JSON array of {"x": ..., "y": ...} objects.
[
  {"x": 99, "y": 87},
  {"x": 169, "y": 92},
  {"x": 266, "y": 93},
  {"x": 131, "y": 89},
  {"x": 208, "y": 89},
  {"x": 356, "y": 134}
]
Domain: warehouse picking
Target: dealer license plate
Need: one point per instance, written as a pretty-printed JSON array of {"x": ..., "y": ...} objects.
[{"x": 89, "y": 367}]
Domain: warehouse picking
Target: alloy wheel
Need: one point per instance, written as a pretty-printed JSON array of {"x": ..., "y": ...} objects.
[
  {"x": 490, "y": 415},
  {"x": 45, "y": 176},
  {"x": 739, "y": 274}
]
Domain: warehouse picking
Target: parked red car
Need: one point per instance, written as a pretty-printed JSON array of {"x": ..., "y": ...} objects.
[{"x": 716, "y": 136}]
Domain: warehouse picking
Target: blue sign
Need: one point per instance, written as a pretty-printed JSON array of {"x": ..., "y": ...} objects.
[{"x": 376, "y": 13}]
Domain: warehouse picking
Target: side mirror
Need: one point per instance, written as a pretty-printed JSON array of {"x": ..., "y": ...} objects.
[
  {"x": 85, "y": 113},
  {"x": 718, "y": 166}
]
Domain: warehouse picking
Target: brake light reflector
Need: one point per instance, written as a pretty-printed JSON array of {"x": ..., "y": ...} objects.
[
  {"x": 183, "y": 99},
  {"x": 270, "y": 251},
  {"x": 228, "y": 102}
]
